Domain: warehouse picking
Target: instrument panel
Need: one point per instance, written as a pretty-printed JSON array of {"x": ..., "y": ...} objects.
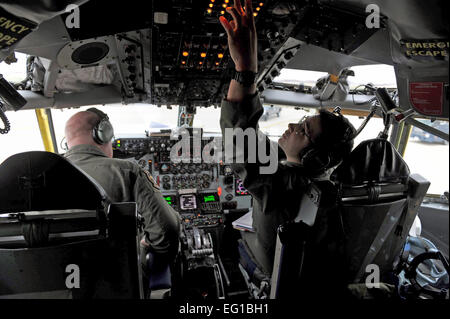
[{"x": 190, "y": 186}]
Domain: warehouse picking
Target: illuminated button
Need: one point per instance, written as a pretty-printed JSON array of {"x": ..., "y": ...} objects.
[
  {"x": 222, "y": 12},
  {"x": 183, "y": 62},
  {"x": 258, "y": 8},
  {"x": 211, "y": 5},
  {"x": 255, "y": 14},
  {"x": 203, "y": 54},
  {"x": 200, "y": 62},
  {"x": 217, "y": 63},
  {"x": 224, "y": 5},
  {"x": 185, "y": 53},
  {"x": 220, "y": 55},
  {"x": 209, "y": 10},
  {"x": 261, "y": 4}
]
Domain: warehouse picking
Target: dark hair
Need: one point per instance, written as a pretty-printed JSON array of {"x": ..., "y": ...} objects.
[{"x": 336, "y": 137}]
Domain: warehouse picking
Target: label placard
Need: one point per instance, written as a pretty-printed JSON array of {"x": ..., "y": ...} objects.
[
  {"x": 428, "y": 49},
  {"x": 13, "y": 29},
  {"x": 427, "y": 97}
]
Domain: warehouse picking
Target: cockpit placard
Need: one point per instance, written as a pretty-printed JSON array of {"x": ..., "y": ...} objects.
[
  {"x": 427, "y": 97},
  {"x": 13, "y": 29}
]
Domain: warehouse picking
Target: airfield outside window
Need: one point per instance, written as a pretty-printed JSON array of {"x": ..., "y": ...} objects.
[
  {"x": 428, "y": 155},
  {"x": 24, "y": 134}
]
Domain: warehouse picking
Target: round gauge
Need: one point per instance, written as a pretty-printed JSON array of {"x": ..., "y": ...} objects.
[
  {"x": 166, "y": 179},
  {"x": 166, "y": 185},
  {"x": 206, "y": 184},
  {"x": 227, "y": 170},
  {"x": 205, "y": 177},
  {"x": 165, "y": 168}
]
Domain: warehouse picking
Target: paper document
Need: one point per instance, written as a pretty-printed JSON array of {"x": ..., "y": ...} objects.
[{"x": 244, "y": 223}]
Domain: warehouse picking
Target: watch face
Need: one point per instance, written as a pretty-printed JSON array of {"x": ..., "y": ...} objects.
[{"x": 246, "y": 78}]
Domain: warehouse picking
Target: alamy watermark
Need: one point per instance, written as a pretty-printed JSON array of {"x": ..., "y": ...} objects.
[
  {"x": 373, "y": 279},
  {"x": 73, "y": 277},
  {"x": 73, "y": 19},
  {"x": 238, "y": 146},
  {"x": 373, "y": 19}
]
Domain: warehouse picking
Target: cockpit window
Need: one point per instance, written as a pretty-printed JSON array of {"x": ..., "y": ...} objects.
[
  {"x": 297, "y": 77},
  {"x": 15, "y": 71},
  {"x": 380, "y": 75},
  {"x": 207, "y": 118},
  {"x": 434, "y": 165},
  {"x": 24, "y": 135},
  {"x": 127, "y": 120}
]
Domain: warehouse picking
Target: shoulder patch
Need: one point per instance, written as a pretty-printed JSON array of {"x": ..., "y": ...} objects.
[{"x": 151, "y": 179}]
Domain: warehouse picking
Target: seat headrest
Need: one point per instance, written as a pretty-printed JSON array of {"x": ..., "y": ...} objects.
[
  {"x": 372, "y": 161},
  {"x": 36, "y": 181}
]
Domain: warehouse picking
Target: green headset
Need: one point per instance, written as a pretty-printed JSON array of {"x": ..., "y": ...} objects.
[{"x": 103, "y": 131}]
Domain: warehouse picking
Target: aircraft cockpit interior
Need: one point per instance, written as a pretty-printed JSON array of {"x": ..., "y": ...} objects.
[{"x": 374, "y": 225}]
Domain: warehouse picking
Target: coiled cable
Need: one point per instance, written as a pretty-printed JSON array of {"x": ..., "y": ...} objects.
[{"x": 6, "y": 124}]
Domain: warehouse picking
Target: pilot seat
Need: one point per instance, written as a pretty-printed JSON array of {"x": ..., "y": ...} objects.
[
  {"x": 350, "y": 230},
  {"x": 60, "y": 237}
]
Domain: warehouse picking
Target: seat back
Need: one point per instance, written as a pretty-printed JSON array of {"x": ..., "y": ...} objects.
[
  {"x": 341, "y": 229},
  {"x": 64, "y": 247}
]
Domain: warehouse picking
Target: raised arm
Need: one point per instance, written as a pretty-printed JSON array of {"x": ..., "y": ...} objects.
[{"x": 242, "y": 43}]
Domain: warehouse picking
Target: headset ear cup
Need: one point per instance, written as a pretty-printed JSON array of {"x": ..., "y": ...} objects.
[
  {"x": 103, "y": 132},
  {"x": 315, "y": 160}
]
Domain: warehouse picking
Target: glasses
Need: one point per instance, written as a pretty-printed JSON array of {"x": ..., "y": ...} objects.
[{"x": 303, "y": 125}]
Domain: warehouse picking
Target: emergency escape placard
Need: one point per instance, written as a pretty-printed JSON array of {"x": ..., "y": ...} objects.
[
  {"x": 13, "y": 29},
  {"x": 427, "y": 97},
  {"x": 432, "y": 48}
]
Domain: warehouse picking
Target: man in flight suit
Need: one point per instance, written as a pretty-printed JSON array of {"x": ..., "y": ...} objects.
[{"x": 122, "y": 180}]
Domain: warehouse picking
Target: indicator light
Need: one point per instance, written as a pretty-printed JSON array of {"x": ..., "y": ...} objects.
[
  {"x": 209, "y": 10},
  {"x": 203, "y": 54},
  {"x": 185, "y": 53},
  {"x": 258, "y": 8},
  {"x": 220, "y": 55},
  {"x": 255, "y": 14},
  {"x": 211, "y": 5}
]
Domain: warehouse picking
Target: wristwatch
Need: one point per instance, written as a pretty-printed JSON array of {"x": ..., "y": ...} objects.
[{"x": 246, "y": 78}]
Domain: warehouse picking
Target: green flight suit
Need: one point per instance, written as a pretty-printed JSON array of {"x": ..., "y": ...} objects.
[
  {"x": 276, "y": 197},
  {"x": 125, "y": 181}
]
